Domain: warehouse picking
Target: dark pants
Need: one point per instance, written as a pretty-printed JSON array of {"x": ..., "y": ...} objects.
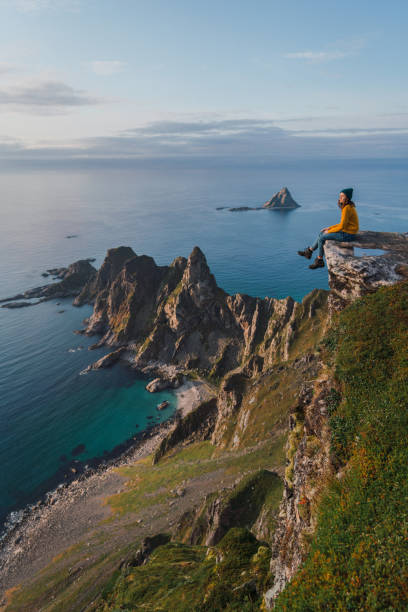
[{"x": 339, "y": 236}]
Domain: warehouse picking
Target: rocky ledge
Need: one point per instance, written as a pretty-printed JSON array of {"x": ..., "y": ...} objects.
[{"x": 351, "y": 275}]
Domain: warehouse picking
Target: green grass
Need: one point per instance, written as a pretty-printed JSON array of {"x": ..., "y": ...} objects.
[
  {"x": 266, "y": 405},
  {"x": 185, "y": 578},
  {"x": 149, "y": 485},
  {"x": 58, "y": 586},
  {"x": 309, "y": 330},
  {"x": 358, "y": 559}
]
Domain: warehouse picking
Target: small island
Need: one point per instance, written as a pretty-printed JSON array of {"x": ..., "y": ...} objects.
[{"x": 281, "y": 200}]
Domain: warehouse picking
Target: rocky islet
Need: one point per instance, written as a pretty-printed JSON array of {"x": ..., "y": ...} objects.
[{"x": 281, "y": 200}]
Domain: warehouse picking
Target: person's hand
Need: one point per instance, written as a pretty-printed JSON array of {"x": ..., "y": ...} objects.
[{"x": 324, "y": 230}]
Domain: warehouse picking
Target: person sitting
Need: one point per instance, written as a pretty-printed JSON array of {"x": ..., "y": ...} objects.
[{"x": 345, "y": 231}]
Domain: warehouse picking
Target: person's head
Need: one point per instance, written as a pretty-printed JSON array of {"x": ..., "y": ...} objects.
[{"x": 345, "y": 197}]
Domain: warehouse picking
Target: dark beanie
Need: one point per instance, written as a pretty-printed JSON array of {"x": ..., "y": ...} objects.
[{"x": 348, "y": 192}]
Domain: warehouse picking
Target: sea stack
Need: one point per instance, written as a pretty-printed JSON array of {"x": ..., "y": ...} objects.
[{"x": 281, "y": 200}]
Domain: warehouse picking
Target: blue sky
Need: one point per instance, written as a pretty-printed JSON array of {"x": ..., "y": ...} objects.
[{"x": 234, "y": 79}]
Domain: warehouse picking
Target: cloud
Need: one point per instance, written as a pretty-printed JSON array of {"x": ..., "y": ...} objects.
[
  {"x": 201, "y": 128},
  {"x": 344, "y": 49},
  {"x": 107, "y": 67},
  {"x": 240, "y": 142},
  {"x": 317, "y": 56},
  {"x": 45, "y": 96},
  {"x": 351, "y": 131}
]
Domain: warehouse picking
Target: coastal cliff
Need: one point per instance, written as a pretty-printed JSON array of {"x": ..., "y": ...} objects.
[
  {"x": 177, "y": 315},
  {"x": 244, "y": 479}
]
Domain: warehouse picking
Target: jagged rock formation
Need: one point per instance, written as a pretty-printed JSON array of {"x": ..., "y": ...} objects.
[
  {"x": 178, "y": 315},
  {"x": 351, "y": 277},
  {"x": 73, "y": 280},
  {"x": 281, "y": 200}
]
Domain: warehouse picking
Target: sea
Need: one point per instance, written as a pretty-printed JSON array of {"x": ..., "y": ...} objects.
[{"x": 51, "y": 415}]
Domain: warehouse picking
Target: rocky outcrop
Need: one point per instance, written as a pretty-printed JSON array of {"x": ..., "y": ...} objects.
[
  {"x": 125, "y": 293},
  {"x": 282, "y": 200},
  {"x": 309, "y": 464},
  {"x": 351, "y": 276},
  {"x": 18, "y": 304},
  {"x": 107, "y": 360},
  {"x": 240, "y": 506},
  {"x": 74, "y": 278},
  {"x": 196, "y": 425},
  {"x": 159, "y": 384},
  {"x": 142, "y": 554},
  {"x": 108, "y": 272}
]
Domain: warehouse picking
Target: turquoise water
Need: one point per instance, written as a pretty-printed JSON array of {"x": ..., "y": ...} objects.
[{"x": 47, "y": 408}]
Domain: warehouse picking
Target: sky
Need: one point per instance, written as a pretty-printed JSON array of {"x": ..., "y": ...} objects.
[{"x": 227, "y": 80}]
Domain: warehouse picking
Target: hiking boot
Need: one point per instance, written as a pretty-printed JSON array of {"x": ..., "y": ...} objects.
[
  {"x": 306, "y": 253},
  {"x": 318, "y": 263}
]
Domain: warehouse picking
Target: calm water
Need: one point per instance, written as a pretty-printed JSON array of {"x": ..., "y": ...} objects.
[{"x": 46, "y": 408}]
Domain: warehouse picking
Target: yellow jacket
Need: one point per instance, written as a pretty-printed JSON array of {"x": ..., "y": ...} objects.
[{"x": 348, "y": 222}]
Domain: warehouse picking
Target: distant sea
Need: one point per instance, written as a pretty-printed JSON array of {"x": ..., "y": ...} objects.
[{"x": 47, "y": 409}]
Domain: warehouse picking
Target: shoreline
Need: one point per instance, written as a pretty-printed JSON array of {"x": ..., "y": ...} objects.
[{"x": 66, "y": 513}]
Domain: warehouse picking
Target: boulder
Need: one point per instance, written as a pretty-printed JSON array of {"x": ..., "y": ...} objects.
[{"x": 158, "y": 384}]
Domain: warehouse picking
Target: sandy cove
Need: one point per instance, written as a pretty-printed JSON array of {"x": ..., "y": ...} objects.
[
  {"x": 72, "y": 511},
  {"x": 191, "y": 394}
]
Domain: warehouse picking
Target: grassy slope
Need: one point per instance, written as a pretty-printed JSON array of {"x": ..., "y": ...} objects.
[
  {"x": 185, "y": 578},
  {"x": 359, "y": 557},
  {"x": 75, "y": 579}
]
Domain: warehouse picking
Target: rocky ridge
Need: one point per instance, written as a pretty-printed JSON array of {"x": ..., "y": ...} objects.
[{"x": 156, "y": 316}]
